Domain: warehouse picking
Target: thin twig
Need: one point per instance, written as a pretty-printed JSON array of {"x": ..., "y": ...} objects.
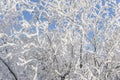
[{"x": 15, "y": 77}]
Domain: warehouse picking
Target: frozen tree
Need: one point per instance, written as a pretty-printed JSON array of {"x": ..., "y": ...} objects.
[{"x": 59, "y": 40}]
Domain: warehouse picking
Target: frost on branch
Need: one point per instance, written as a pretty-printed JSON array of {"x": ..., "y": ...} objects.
[{"x": 59, "y": 40}]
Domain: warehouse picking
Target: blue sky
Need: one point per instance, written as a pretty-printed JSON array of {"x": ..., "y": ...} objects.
[
  {"x": 117, "y": 1},
  {"x": 111, "y": 12},
  {"x": 28, "y": 16},
  {"x": 35, "y": 0}
]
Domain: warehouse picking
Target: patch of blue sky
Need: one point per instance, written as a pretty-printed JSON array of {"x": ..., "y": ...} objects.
[
  {"x": 35, "y": 1},
  {"x": 89, "y": 47},
  {"x": 27, "y": 15},
  {"x": 103, "y": 2},
  {"x": 78, "y": 17},
  {"x": 41, "y": 7},
  {"x": 117, "y": 1},
  {"x": 100, "y": 25},
  {"x": 97, "y": 11},
  {"x": 111, "y": 4},
  {"x": 52, "y": 25},
  {"x": 1, "y": 16},
  {"x": 32, "y": 29},
  {"x": 104, "y": 15},
  {"x": 91, "y": 16},
  {"x": 17, "y": 27},
  {"x": 90, "y": 35},
  {"x": 17, "y": 6},
  {"x": 97, "y": 6},
  {"x": 19, "y": 17},
  {"x": 66, "y": 22},
  {"x": 111, "y": 12},
  {"x": 43, "y": 17},
  {"x": 40, "y": 30}
]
